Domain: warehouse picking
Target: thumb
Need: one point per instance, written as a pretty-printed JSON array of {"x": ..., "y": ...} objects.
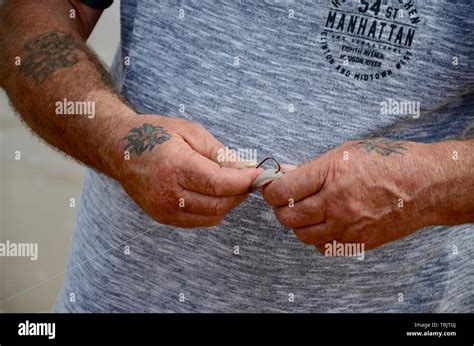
[
  {"x": 297, "y": 183},
  {"x": 203, "y": 142}
]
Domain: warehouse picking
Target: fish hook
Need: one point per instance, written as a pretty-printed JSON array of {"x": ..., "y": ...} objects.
[{"x": 270, "y": 158}]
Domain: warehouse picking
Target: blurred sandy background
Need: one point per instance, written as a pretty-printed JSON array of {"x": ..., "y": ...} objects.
[{"x": 34, "y": 198}]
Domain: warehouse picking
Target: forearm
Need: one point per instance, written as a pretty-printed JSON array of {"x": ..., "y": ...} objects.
[
  {"x": 435, "y": 180},
  {"x": 56, "y": 69},
  {"x": 453, "y": 182}
]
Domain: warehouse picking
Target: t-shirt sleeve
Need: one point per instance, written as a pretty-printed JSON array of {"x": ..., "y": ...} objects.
[{"x": 99, "y": 4}]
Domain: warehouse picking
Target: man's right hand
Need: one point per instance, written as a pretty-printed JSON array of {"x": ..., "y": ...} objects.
[{"x": 172, "y": 172}]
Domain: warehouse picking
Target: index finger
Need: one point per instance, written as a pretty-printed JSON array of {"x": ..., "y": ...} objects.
[{"x": 199, "y": 174}]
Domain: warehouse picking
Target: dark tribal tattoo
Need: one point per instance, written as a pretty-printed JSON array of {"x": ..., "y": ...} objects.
[
  {"x": 383, "y": 147},
  {"x": 48, "y": 53},
  {"x": 145, "y": 137},
  {"x": 54, "y": 50}
]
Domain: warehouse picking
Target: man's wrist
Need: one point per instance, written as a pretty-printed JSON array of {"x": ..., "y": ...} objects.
[
  {"x": 451, "y": 182},
  {"x": 111, "y": 153},
  {"x": 132, "y": 137}
]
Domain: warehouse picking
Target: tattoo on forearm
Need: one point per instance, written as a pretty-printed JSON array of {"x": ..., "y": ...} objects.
[
  {"x": 48, "y": 53},
  {"x": 383, "y": 147},
  {"x": 54, "y": 50},
  {"x": 145, "y": 137}
]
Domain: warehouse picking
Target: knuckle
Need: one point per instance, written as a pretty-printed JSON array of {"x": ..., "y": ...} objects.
[
  {"x": 171, "y": 199},
  {"x": 353, "y": 210},
  {"x": 171, "y": 202},
  {"x": 193, "y": 131},
  {"x": 286, "y": 217},
  {"x": 213, "y": 184},
  {"x": 337, "y": 170},
  {"x": 166, "y": 166},
  {"x": 199, "y": 130},
  {"x": 217, "y": 208},
  {"x": 276, "y": 192},
  {"x": 199, "y": 127}
]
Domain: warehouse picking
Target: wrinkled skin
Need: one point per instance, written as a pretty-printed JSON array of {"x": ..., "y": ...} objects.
[
  {"x": 179, "y": 182},
  {"x": 371, "y": 197}
]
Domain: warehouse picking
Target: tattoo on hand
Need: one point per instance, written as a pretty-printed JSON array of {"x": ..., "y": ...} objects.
[
  {"x": 383, "y": 147},
  {"x": 145, "y": 137},
  {"x": 54, "y": 50}
]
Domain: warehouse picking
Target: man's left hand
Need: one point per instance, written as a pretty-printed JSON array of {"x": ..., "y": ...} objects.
[{"x": 371, "y": 192}]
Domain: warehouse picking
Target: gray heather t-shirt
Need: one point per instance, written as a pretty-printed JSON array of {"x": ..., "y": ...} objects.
[{"x": 291, "y": 79}]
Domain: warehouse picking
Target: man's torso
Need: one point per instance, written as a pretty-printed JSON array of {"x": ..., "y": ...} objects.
[{"x": 291, "y": 79}]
